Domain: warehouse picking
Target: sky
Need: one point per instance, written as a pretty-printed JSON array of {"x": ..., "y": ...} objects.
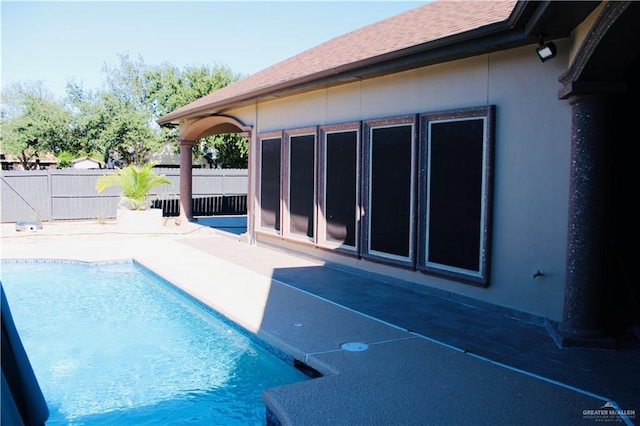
[{"x": 61, "y": 41}]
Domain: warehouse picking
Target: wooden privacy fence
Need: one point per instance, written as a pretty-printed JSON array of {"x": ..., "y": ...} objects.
[{"x": 69, "y": 194}]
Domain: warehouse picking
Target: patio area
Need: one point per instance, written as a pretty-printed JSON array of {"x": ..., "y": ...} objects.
[{"x": 387, "y": 355}]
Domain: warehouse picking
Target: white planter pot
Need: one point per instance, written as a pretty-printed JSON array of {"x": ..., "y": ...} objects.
[{"x": 139, "y": 221}]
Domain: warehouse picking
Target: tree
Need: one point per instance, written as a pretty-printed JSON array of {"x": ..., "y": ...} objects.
[
  {"x": 129, "y": 133},
  {"x": 126, "y": 134},
  {"x": 34, "y": 123},
  {"x": 118, "y": 122},
  {"x": 126, "y": 82},
  {"x": 231, "y": 151},
  {"x": 167, "y": 89},
  {"x": 64, "y": 159},
  {"x": 111, "y": 124},
  {"x": 90, "y": 118}
]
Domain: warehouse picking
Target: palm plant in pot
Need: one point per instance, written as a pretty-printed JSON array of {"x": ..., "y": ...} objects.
[{"x": 134, "y": 209}]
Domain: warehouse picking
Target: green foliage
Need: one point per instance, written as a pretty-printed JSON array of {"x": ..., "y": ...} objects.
[
  {"x": 125, "y": 132},
  {"x": 167, "y": 89},
  {"x": 90, "y": 118},
  {"x": 33, "y": 123},
  {"x": 64, "y": 159},
  {"x": 135, "y": 183},
  {"x": 126, "y": 83},
  {"x": 231, "y": 150},
  {"x": 118, "y": 121}
]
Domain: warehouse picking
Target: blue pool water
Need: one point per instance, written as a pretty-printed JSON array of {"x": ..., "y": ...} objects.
[
  {"x": 113, "y": 344},
  {"x": 232, "y": 224}
]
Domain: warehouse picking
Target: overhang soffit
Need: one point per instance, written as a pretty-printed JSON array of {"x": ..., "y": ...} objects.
[{"x": 194, "y": 129}]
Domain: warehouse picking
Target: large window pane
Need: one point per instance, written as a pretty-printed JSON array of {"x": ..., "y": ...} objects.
[
  {"x": 455, "y": 194},
  {"x": 270, "y": 183},
  {"x": 302, "y": 185},
  {"x": 390, "y": 191},
  {"x": 341, "y": 187}
]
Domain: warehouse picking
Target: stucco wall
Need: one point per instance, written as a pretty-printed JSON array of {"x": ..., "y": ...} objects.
[
  {"x": 533, "y": 145},
  {"x": 532, "y": 154}
]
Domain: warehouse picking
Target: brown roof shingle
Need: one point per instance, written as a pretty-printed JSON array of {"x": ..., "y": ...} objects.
[{"x": 428, "y": 23}]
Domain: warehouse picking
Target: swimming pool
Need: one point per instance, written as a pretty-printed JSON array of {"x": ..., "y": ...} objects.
[
  {"x": 232, "y": 224},
  {"x": 114, "y": 344}
]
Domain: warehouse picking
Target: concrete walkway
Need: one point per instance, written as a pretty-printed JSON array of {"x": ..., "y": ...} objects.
[{"x": 409, "y": 358}]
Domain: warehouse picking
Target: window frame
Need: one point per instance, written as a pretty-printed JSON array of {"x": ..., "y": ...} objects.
[
  {"x": 479, "y": 277},
  {"x": 367, "y": 252},
  {"x": 259, "y": 228},
  {"x": 324, "y": 131},
  {"x": 286, "y": 182}
]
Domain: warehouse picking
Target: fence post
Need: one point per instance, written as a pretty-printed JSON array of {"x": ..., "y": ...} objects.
[{"x": 50, "y": 190}]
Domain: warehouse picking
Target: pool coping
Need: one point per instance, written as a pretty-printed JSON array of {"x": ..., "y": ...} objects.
[{"x": 401, "y": 377}]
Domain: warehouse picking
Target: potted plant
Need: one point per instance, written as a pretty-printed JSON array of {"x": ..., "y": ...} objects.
[{"x": 134, "y": 209}]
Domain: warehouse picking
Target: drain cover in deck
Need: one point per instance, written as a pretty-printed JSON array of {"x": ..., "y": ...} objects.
[{"x": 354, "y": 346}]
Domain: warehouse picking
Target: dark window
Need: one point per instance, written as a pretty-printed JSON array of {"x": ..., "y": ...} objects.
[
  {"x": 270, "y": 183},
  {"x": 340, "y": 187},
  {"x": 301, "y": 201},
  {"x": 457, "y": 163},
  {"x": 454, "y": 190},
  {"x": 390, "y": 190}
]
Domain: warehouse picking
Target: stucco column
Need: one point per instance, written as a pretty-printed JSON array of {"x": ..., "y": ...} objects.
[
  {"x": 251, "y": 187},
  {"x": 186, "y": 184},
  {"x": 582, "y": 319}
]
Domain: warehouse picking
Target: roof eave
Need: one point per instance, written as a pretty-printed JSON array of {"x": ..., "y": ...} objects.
[
  {"x": 441, "y": 50},
  {"x": 526, "y": 23}
]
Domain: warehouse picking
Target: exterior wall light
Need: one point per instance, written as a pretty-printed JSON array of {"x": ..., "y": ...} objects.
[{"x": 546, "y": 50}]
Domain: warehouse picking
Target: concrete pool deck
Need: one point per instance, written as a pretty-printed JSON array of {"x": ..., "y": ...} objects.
[{"x": 510, "y": 373}]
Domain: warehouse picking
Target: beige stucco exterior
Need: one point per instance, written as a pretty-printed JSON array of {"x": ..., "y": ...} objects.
[{"x": 532, "y": 154}]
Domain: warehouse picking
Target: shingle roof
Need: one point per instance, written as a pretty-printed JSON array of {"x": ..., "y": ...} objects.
[{"x": 425, "y": 24}]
